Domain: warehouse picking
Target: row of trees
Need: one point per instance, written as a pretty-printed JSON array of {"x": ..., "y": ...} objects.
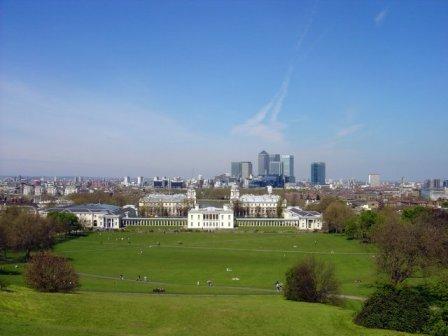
[
  {"x": 412, "y": 243},
  {"x": 23, "y": 231}
]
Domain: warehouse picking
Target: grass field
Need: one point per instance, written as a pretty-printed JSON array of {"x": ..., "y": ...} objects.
[{"x": 106, "y": 305}]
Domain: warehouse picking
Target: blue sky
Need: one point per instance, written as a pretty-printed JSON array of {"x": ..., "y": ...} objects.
[{"x": 113, "y": 88}]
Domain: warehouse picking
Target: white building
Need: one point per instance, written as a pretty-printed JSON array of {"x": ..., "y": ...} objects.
[
  {"x": 96, "y": 216},
  {"x": 140, "y": 181},
  {"x": 306, "y": 220},
  {"x": 210, "y": 218},
  {"x": 52, "y": 190},
  {"x": 374, "y": 180},
  {"x": 255, "y": 205},
  {"x": 126, "y": 181},
  {"x": 38, "y": 190},
  {"x": 28, "y": 190},
  {"x": 164, "y": 205},
  {"x": 70, "y": 189}
]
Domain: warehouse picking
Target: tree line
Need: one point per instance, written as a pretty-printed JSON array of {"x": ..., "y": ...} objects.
[
  {"x": 412, "y": 243},
  {"x": 24, "y": 231}
]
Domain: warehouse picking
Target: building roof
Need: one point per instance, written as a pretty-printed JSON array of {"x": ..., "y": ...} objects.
[
  {"x": 164, "y": 198},
  {"x": 211, "y": 209},
  {"x": 259, "y": 198},
  {"x": 89, "y": 207},
  {"x": 297, "y": 212}
]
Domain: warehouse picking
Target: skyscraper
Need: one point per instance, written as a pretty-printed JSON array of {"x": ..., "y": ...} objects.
[
  {"x": 241, "y": 169},
  {"x": 275, "y": 168},
  {"x": 318, "y": 173},
  {"x": 246, "y": 169},
  {"x": 235, "y": 169},
  {"x": 287, "y": 167},
  {"x": 263, "y": 163}
]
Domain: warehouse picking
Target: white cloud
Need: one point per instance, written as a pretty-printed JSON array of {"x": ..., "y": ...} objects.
[
  {"x": 381, "y": 16},
  {"x": 346, "y": 131}
]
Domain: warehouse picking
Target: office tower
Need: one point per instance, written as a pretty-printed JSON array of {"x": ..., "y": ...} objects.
[
  {"x": 140, "y": 181},
  {"x": 263, "y": 163},
  {"x": 318, "y": 173},
  {"x": 246, "y": 169},
  {"x": 445, "y": 183},
  {"x": 235, "y": 169},
  {"x": 126, "y": 181},
  {"x": 374, "y": 180},
  {"x": 435, "y": 184},
  {"x": 287, "y": 167},
  {"x": 274, "y": 157},
  {"x": 275, "y": 168}
]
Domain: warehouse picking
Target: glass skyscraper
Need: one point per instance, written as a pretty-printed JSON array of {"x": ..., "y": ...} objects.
[
  {"x": 318, "y": 173},
  {"x": 263, "y": 163}
]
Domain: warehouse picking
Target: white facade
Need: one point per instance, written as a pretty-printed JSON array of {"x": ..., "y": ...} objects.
[
  {"x": 210, "y": 218},
  {"x": 70, "y": 189},
  {"x": 306, "y": 220},
  {"x": 95, "y": 216}
]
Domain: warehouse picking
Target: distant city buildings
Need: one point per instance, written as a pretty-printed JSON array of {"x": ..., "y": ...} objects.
[
  {"x": 433, "y": 190},
  {"x": 276, "y": 165},
  {"x": 241, "y": 170},
  {"x": 318, "y": 173},
  {"x": 374, "y": 180}
]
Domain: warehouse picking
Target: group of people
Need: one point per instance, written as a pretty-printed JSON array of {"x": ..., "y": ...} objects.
[{"x": 139, "y": 278}]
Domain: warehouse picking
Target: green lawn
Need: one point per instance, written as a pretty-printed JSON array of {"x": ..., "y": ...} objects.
[
  {"x": 180, "y": 259},
  {"x": 106, "y": 305},
  {"x": 24, "y": 312}
]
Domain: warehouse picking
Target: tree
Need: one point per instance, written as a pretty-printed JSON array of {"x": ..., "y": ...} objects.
[
  {"x": 312, "y": 280},
  {"x": 30, "y": 232},
  {"x": 336, "y": 215},
  {"x": 408, "y": 245},
  {"x": 66, "y": 222},
  {"x": 367, "y": 221},
  {"x": 47, "y": 272},
  {"x": 399, "y": 251},
  {"x": 402, "y": 309}
]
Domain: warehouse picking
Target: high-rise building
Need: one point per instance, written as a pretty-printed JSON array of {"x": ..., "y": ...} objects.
[
  {"x": 318, "y": 173},
  {"x": 139, "y": 181},
  {"x": 435, "y": 184},
  {"x": 235, "y": 169},
  {"x": 246, "y": 169},
  {"x": 275, "y": 168},
  {"x": 263, "y": 163},
  {"x": 445, "y": 183},
  {"x": 287, "y": 167},
  {"x": 126, "y": 181},
  {"x": 374, "y": 180},
  {"x": 241, "y": 169}
]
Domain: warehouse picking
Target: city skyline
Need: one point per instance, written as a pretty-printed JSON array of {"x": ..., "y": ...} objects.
[{"x": 178, "y": 89}]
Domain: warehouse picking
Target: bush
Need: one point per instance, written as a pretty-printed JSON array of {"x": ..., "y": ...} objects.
[
  {"x": 47, "y": 272},
  {"x": 312, "y": 280},
  {"x": 438, "y": 323},
  {"x": 402, "y": 309}
]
